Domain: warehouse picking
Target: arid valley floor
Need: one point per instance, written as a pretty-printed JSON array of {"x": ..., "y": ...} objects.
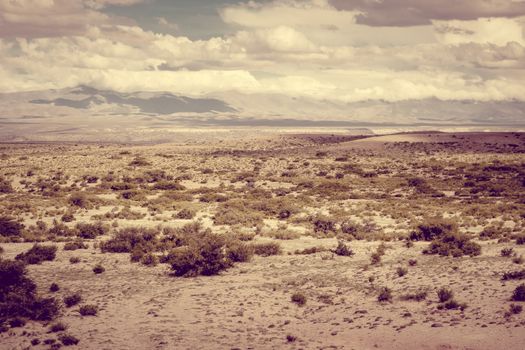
[{"x": 305, "y": 241}]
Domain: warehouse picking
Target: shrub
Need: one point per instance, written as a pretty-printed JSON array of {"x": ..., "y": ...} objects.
[
  {"x": 343, "y": 250},
  {"x": 37, "y": 254},
  {"x": 401, "y": 271},
  {"x": 186, "y": 214},
  {"x": 311, "y": 250},
  {"x": 444, "y": 294},
  {"x": 514, "y": 275},
  {"x": 267, "y": 249},
  {"x": 9, "y": 227},
  {"x": 324, "y": 225},
  {"x": 456, "y": 245},
  {"x": 78, "y": 244},
  {"x": 79, "y": 199},
  {"x": 168, "y": 186},
  {"x": 125, "y": 240},
  {"x": 74, "y": 260},
  {"x": 53, "y": 288},
  {"x": 68, "y": 340},
  {"x": 432, "y": 229},
  {"x": 452, "y": 305},
  {"x": 520, "y": 239},
  {"x": 299, "y": 299},
  {"x": 240, "y": 251},
  {"x": 385, "y": 294},
  {"x": 88, "y": 310},
  {"x": 16, "y": 322},
  {"x": 506, "y": 252},
  {"x": 412, "y": 262},
  {"x": 18, "y": 296},
  {"x": 204, "y": 255},
  {"x": 418, "y": 296},
  {"x": 519, "y": 293},
  {"x": 72, "y": 299},
  {"x": 149, "y": 259},
  {"x": 5, "y": 186},
  {"x": 90, "y": 231},
  {"x": 235, "y": 212},
  {"x": 57, "y": 327},
  {"x": 375, "y": 258},
  {"x": 515, "y": 309},
  {"x": 67, "y": 217},
  {"x": 139, "y": 161},
  {"x": 98, "y": 269}
]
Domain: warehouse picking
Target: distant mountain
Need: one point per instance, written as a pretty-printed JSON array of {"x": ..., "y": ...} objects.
[
  {"x": 86, "y": 113},
  {"x": 155, "y": 103}
]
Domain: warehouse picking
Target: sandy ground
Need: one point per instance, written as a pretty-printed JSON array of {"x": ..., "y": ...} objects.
[{"x": 249, "y": 306}]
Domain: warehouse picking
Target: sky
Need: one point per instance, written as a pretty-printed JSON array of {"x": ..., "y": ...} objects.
[{"x": 343, "y": 51}]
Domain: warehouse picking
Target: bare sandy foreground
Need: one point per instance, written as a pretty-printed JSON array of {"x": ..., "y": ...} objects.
[
  {"x": 249, "y": 307},
  {"x": 475, "y": 180}
]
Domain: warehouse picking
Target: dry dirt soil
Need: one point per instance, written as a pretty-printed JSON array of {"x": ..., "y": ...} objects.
[{"x": 374, "y": 196}]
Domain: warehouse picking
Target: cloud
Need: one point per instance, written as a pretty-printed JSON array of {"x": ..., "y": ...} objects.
[
  {"x": 45, "y": 18},
  {"x": 417, "y": 12},
  {"x": 499, "y": 31},
  {"x": 288, "y": 48}
]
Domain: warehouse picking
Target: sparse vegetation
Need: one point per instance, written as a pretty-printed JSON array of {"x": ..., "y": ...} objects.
[
  {"x": 38, "y": 254},
  {"x": 299, "y": 299}
]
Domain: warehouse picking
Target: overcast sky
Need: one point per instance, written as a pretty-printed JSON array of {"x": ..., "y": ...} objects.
[{"x": 340, "y": 50}]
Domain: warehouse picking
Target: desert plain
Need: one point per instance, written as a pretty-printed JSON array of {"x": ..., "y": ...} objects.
[{"x": 265, "y": 241}]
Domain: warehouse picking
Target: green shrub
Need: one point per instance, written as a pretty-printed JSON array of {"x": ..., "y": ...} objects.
[
  {"x": 9, "y": 227},
  {"x": 38, "y": 253},
  {"x": 520, "y": 239},
  {"x": 53, "y": 288},
  {"x": 18, "y": 296},
  {"x": 267, "y": 249}
]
